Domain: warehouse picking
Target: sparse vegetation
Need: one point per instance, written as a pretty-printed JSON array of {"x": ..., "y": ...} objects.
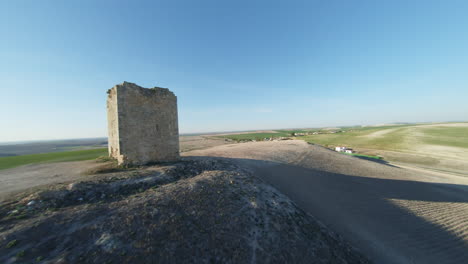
[
  {"x": 422, "y": 144},
  {"x": 12, "y": 243},
  {"x": 105, "y": 159},
  {"x": 15, "y": 161},
  {"x": 20, "y": 254},
  {"x": 454, "y": 136},
  {"x": 394, "y": 137},
  {"x": 364, "y": 156}
]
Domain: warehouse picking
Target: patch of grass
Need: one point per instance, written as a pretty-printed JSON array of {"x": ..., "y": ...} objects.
[
  {"x": 290, "y": 132},
  {"x": 365, "y": 156},
  {"x": 257, "y": 136},
  {"x": 446, "y": 136},
  {"x": 361, "y": 137},
  {"x": 105, "y": 159},
  {"x": 20, "y": 254},
  {"x": 12, "y": 243},
  {"x": 21, "y": 216},
  {"x": 106, "y": 168},
  {"x": 15, "y": 161},
  {"x": 414, "y": 143}
]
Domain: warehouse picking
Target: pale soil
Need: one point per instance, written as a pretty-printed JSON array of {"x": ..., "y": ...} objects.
[
  {"x": 25, "y": 177},
  {"x": 188, "y": 143},
  {"x": 199, "y": 210},
  {"x": 413, "y": 150},
  {"x": 29, "y": 176},
  {"x": 444, "y": 151},
  {"x": 246, "y": 132},
  {"x": 430, "y": 170},
  {"x": 394, "y": 215},
  {"x": 380, "y": 133},
  {"x": 450, "y": 159},
  {"x": 447, "y": 125}
]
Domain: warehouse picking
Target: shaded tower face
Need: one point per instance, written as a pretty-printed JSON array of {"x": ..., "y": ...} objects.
[{"x": 142, "y": 124}]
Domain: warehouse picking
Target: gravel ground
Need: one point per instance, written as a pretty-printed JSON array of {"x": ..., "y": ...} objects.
[{"x": 200, "y": 210}]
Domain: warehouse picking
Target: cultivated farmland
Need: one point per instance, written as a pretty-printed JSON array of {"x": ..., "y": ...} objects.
[{"x": 441, "y": 146}]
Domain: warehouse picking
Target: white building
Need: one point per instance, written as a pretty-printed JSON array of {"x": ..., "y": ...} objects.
[
  {"x": 344, "y": 149},
  {"x": 340, "y": 149}
]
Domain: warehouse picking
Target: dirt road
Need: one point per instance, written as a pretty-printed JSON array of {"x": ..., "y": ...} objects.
[{"x": 394, "y": 215}]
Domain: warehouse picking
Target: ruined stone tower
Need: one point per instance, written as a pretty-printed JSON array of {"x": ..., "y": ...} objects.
[{"x": 142, "y": 124}]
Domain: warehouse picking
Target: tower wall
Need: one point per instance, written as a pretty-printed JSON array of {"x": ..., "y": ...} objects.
[{"x": 143, "y": 124}]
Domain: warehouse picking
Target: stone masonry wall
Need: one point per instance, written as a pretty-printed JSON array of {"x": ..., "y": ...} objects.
[{"x": 142, "y": 124}]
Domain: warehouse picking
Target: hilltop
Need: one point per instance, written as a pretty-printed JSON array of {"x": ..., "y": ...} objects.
[{"x": 199, "y": 210}]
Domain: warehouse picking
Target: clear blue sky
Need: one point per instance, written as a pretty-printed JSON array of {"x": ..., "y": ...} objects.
[{"x": 234, "y": 65}]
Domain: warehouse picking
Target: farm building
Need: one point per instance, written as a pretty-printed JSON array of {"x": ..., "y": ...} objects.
[
  {"x": 340, "y": 149},
  {"x": 344, "y": 149}
]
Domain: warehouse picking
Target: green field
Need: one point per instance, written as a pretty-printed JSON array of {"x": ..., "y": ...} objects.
[
  {"x": 257, "y": 136},
  {"x": 15, "y": 161},
  {"x": 392, "y": 137},
  {"x": 404, "y": 137},
  {"x": 442, "y": 145},
  {"x": 364, "y": 156}
]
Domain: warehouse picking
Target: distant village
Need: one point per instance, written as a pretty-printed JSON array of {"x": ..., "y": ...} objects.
[
  {"x": 337, "y": 149},
  {"x": 295, "y": 134}
]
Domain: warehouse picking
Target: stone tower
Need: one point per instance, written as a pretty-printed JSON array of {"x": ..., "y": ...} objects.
[{"x": 142, "y": 124}]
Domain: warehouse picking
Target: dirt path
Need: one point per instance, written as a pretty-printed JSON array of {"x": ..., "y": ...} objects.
[{"x": 394, "y": 215}]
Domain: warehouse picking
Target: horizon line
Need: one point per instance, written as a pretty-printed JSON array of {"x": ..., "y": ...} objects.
[{"x": 13, "y": 142}]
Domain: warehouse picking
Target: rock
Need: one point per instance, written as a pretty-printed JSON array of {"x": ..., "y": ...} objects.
[{"x": 53, "y": 195}]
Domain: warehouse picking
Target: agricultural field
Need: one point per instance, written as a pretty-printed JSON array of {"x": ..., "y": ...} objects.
[
  {"x": 15, "y": 161},
  {"x": 18, "y": 154},
  {"x": 442, "y": 146},
  {"x": 257, "y": 136},
  {"x": 8, "y": 149}
]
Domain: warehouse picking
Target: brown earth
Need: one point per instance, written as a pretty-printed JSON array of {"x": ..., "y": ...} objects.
[{"x": 394, "y": 215}]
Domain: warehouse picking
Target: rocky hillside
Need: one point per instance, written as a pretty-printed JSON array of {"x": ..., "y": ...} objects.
[{"x": 196, "y": 211}]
